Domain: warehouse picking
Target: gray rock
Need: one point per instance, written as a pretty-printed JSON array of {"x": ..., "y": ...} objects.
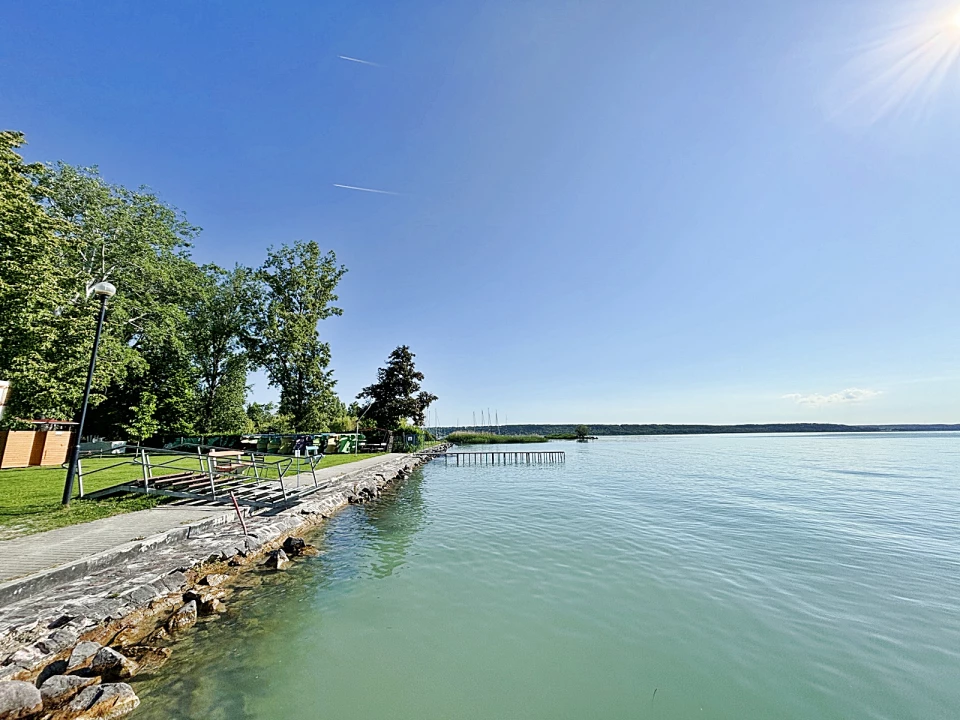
[
  {"x": 277, "y": 560},
  {"x": 25, "y": 657},
  {"x": 143, "y": 594},
  {"x": 111, "y": 665},
  {"x": 207, "y": 599},
  {"x": 60, "y": 689},
  {"x": 9, "y": 672},
  {"x": 215, "y": 579},
  {"x": 58, "y": 640},
  {"x": 176, "y": 580},
  {"x": 183, "y": 618},
  {"x": 104, "y": 702},
  {"x": 19, "y": 700},
  {"x": 82, "y": 655}
]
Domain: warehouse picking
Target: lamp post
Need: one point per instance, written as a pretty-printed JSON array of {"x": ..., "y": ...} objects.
[
  {"x": 356, "y": 435},
  {"x": 102, "y": 290}
]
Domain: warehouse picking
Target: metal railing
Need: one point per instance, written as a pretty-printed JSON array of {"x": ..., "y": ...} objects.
[{"x": 226, "y": 470}]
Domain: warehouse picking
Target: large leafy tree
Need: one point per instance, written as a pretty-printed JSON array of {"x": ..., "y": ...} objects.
[
  {"x": 32, "y": 282},
  {"x": 298, "y": 283},
  {"x": 396, "y": 396},
  {"x": 140, "y": 244},
  {"x": 218, "y": 336}
]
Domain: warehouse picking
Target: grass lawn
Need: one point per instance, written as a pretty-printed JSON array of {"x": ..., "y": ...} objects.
[{"x": 30, "y": 497}]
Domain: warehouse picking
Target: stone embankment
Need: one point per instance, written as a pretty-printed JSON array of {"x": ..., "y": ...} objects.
[{"x": 70, "y": 639}]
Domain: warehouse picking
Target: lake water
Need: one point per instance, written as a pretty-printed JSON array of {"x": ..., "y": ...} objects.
[{"x": 735, "y": 577}]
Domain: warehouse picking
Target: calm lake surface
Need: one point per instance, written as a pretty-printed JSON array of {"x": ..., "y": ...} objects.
[{"x": 736, "y": 577}]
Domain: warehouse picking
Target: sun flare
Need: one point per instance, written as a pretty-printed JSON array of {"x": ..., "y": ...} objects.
[{"x": 905, "y": 67}]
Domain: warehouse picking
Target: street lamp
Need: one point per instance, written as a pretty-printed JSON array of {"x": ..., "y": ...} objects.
[
  {"x": 356, "y": 436},
  {"x": 102, "y": 290}
]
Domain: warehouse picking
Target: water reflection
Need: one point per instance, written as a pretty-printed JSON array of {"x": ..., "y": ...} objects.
[
  {"x": 393, "y": 524},
  {"x": 214, "y": 670}
]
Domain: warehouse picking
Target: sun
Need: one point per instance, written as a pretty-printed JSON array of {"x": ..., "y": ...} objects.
[{"x": 956, "y": 20}]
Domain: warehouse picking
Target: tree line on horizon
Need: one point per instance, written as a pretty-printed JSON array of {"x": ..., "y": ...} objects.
[
  {"x": 574, "y": 431},
  {"x": 179, "y": 338}
]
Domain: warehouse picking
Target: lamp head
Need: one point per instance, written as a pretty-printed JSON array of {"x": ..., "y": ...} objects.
[{"x": 104, "y": 290}]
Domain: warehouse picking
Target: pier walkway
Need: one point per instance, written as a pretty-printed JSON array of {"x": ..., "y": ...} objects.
[{"x": 508, "y": 457}]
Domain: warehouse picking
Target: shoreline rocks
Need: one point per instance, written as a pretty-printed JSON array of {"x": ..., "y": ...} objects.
[
  {"x": 103, "y": 702},
  {"x": 114, "y": 624},
  {"x": 57, "y": 690},
  {"x": 19, "y": 699},
  {"x": 185, "y": 617},
  {"x": 277, "y": 560},
  {"x": 111, "y": 665}
]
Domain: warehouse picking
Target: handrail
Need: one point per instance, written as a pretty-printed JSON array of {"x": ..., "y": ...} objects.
[{"x": 151, "y": 459}]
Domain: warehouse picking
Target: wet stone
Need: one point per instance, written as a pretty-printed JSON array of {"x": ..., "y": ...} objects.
[
  {"x": 111, "y": 665},
  {"x": 294, "y": 546},
  {"x": 150, "y": 659},
  {"x": 108, "y": 701},
  {"x": 277, "y": 560},
  {"x": 183, "y": 618}
]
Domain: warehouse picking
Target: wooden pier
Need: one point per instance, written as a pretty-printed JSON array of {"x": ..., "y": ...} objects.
[{"x": 505, "y": 458}]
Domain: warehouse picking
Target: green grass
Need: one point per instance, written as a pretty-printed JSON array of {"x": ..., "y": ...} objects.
[
  {"x": 30, "y": 497},
  {"x": 482, "y": 438}
]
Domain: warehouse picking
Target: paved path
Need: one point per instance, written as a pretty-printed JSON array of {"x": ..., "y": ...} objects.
[
  {"x": 329, "y": 473},
  {"x": 50, "y": 549},
  {"x": 41, "y": 551}
]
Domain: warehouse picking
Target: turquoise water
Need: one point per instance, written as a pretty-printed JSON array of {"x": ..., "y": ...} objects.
[{"x": 734, "y": 577}]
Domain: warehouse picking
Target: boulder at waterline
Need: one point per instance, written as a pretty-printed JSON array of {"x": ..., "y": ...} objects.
[
  {"x": 277, "y": 560},
  {"x": 111, "y": 665},
  {"x": 19, "y": 699},
  {"x": 60, "y": 689},
  {"x": 103, "y": 702},
  {"x": 183, "y": 618},
  {"x": 82, "y": 655}
]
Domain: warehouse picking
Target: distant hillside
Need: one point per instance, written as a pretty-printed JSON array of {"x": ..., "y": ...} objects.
[{"x": 710, "y": 429}]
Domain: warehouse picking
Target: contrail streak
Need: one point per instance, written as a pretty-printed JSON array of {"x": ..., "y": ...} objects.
[
  {"x": 358, "y": 60},
  {"x": 354, "y": 187}
]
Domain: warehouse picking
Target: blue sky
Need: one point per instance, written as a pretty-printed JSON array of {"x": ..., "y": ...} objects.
[{"x": 608, "y": 211}]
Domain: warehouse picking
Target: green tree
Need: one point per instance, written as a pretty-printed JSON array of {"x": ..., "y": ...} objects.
[
  {"x": 396, "y": 396},
  {"x": 218, "y": 337},
  {"x": 102, "y": 232},
  {"x": 260, "y": 415},
  {"x": 298, "y": 283},
  {"x": 143, "y": 424},
  {"x": 582, "y": 431},
  {"x": 140, "y": 244},
  {"x": 263, "y": 419},
  {"x": 32, "y": 282}
]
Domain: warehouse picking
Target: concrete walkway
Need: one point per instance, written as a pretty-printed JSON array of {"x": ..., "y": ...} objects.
[{"x": 43, "y": 551}]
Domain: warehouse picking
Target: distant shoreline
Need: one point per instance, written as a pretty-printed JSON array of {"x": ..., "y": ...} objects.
[{"x": 621, "y": 430}]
